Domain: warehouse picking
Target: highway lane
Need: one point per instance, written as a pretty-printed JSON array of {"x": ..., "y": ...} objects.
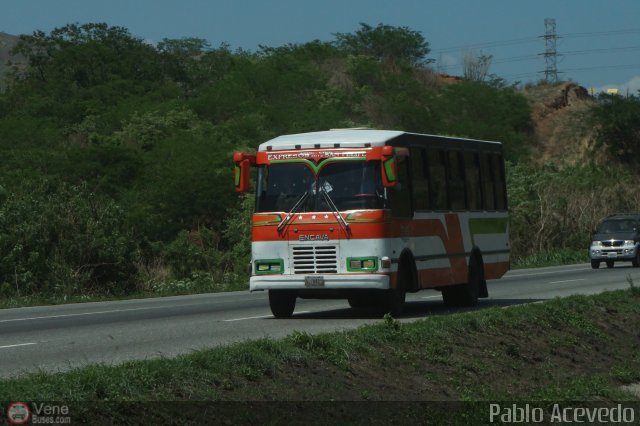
[{"x": 56, "y": 338}]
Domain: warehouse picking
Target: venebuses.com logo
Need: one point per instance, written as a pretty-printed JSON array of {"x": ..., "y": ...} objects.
[{"x": 18, "y": 413}]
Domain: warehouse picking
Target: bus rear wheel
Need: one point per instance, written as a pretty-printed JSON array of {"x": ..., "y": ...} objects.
[
  {"x": 282, "y": 303},
  {"x": 465, "y": 295}
]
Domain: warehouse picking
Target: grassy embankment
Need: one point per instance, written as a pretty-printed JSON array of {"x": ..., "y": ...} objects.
[
  {"x": 183, "y": 287},
  {"x": 572, "y": 349}
]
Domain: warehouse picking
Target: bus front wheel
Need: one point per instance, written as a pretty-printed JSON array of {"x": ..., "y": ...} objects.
[
  {"x": 282, "y": 303},
  {"x": 394, "y": 298}
]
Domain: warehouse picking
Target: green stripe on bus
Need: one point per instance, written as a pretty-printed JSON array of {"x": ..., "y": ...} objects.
[
  {"x": 316, "y": 167},
  {"x": 350, "y": 218},
  {"x": 481, "y": 226},
  {"x": 237, "y": 176},
  {"x": 388, "y": 169},
  {"x": 269, "y": 222}
]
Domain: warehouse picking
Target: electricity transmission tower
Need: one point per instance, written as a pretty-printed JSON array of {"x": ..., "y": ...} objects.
[{"x": 550, "y": 53}]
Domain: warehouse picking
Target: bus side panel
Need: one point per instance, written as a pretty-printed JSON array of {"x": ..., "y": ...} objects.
[{"x": 442, "y": 243}]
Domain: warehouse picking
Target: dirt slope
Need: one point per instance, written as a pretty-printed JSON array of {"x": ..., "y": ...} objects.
[{"x": 560, "y": 128}]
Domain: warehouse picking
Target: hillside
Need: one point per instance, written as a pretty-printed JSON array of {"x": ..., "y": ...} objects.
[
  {"x": 557, "y": 111},
  {"x": 558, "y": 116},
  {"x": 7, "y": 42},
  {"x": 116, "y": 171}
]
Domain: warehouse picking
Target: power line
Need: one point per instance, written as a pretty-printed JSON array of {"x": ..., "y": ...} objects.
[
  {"x": 487, "y": 44},
  {"x": 523, "y": 40},
  {"x": 551, "y": 54},
  {"x": 580, "y": 69},
  {"x": 605, "y": 50},
  {"x": 564, "y": 54},
  {"x": 605, "y": 33}
]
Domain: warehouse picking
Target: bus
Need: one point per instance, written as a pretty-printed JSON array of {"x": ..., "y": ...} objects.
[{"x": 370, "y": 215}]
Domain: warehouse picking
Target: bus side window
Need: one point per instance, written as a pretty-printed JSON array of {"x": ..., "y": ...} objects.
[
  {"x": 472, "y": 181},
  {"x": 486, "y": 175},
  {"x": 438, "y": 180},
  {"x": 456, "y": 181},
  {"x": 419, "y": 179},
  {"x": 499, "y": 182},
  {"x": 400, "y": 196}
]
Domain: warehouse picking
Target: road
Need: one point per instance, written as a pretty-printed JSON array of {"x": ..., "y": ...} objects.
[{"x": 57, "y": 338}]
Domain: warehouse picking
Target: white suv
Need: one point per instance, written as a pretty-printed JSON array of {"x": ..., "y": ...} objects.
[{"x": 616, "y": 239}]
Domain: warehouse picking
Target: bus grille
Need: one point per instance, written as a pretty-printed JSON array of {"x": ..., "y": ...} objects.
[{"x": 315, "y": 259}]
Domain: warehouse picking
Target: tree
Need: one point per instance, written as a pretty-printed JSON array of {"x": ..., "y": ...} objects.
[
  {"x": 474, "y": 67},
  {"x": 388, "y": 44},
  {"x": 617, "y": 120},
  {"x": 87, "y": 55},
  {"x": 181, "y": 58}
]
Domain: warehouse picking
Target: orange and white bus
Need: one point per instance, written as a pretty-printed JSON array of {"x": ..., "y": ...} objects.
[{"x": 369, "y": 215}]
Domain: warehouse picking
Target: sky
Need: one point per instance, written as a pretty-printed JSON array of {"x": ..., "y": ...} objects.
[{"x": 597, "y": 42}]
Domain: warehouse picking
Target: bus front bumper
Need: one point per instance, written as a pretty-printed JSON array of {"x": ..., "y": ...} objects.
[{"x": 329, "y": 282}]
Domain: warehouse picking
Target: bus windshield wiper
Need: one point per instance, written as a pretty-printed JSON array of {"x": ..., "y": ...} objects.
[
  {"x": 343, "y": 223},
  {"x": 293, "y": 211}
]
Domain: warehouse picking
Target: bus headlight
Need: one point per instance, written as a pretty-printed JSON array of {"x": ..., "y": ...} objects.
[{"x": 362, "y": 264}]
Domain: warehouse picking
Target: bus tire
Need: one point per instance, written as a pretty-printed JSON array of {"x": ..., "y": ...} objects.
[
  {"x": 282, "y": 303},
  {"x": 465, "y": 295},
  {"x": 394, "y": 298}
]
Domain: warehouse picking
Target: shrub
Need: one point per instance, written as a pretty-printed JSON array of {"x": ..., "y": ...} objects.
[
  {"x": 63, "y": 239},
  {"x": 556, "y": 207}
]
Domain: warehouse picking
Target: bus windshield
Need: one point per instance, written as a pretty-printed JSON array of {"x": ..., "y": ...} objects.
[{"x": 350, "y": 184}]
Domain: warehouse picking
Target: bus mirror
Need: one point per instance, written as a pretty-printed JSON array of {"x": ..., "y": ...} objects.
[
  {"x": 389, "y": 169},
  {"x": 243, "y": 163}
]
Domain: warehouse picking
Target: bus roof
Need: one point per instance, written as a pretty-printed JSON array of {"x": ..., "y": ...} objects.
[{"x": 346, "y": 138}]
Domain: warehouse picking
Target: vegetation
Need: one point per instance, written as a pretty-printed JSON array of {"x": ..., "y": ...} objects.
[
  {"x": 580, "y": 349},
  {"x": 618, "y": 127},
  {"x": 116, "y": 171}
]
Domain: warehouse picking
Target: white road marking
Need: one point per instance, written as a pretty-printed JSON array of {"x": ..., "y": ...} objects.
[
  {"x": 514, "y": 275},
  {"x": 112, "y": 311},
  {"x": 81, "y": 314},
  {"x": 258, "y": 317},
  {"x": 17, "y": 345},
  {"x": 567, "y": 281}
]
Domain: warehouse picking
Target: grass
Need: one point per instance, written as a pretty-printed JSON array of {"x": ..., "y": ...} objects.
[
  {"x": 202, "y": 283},
  {"x": 580, "y": 348},
  {"x": 198, "y": 283},
  {"x": 556, "y": 257}
]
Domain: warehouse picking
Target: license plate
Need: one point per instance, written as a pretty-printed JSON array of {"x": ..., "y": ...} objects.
[
  {"x": 613, "y": 254},
  {"x": 314, "y": 281}
]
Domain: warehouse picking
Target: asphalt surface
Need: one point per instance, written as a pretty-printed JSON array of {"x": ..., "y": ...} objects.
[{"x": 57, "y": 338}]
